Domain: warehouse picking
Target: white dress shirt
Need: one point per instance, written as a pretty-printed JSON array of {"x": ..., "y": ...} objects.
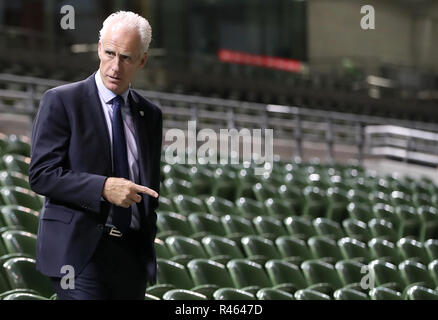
[{"x": 106, "y": 97}]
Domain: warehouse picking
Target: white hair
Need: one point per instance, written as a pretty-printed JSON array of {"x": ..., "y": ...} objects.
[{"x": 129, "y": 20}]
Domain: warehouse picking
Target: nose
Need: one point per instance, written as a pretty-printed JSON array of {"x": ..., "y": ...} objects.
[{"x": 115, "y": 65}]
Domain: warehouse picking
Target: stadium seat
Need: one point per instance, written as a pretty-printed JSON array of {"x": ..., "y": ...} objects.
[
  {"x": 148, "y": 296},
  {"x": 349, "y": 294},
  {"x": 184, "y": 249},
  {"x": 204, "y": 271},
  {"x": 384, "y": 293},
  {"x": 431, "y": 247},
  {"x": 17, "y": 145},
  {"x": 350, "y": 271},
  {"x": 9, "y": 178},
  {"x": 172, "y": 223},
  {"x": 433, "y": 271},
  {"x": 356, "y": 229},
  {"x": 24, "y": 296},
  {"x": 236, "y": 227},
  {"x": 273, "y": 294},
  {"x": 220, "y": 206},
  {"x": 248, "y": 275},
  {"x": 383, "y": 229},
  {"x": 293, "y": 249},
  {"x": 22, "y": 197},
  {"x": 202, "y": 180},
  {"x": 324, "y": 247},
  {"x": 264, "y": 192},
  {"x": 181, "y": 294},
  {"x": 165, "y": 204},
  {"x": 360, "y": 211},
  {"x": 250, "y": 208},
  {"x": 17, "y": 241},
  {"x": 176, "y": 171},
  {"x": 221, "y": 249},
  {"x": 161, "y": 250},
  {"x": 293, "y": 195},
  {"x": 354, "y": 249},
  {"x": 186, "y": 204},
  {"x": 21, "y": 274},
  {"x": 232, "y": 294},
  {"x": 319, "y": 271},
  {"x": 315, "y": 204},
  {"x": 285, "y": 275},
  {"x": 206, "y": 224},
  {"x": 308, "y": 294},
  {"x": 384, "y": 249},
  {"x": 337, "y": 204},
  {"x": 259, "y": 249},
  {"x": 412, "y": 249},
  {"x": 328, "y": 228},
  {"x": 299, "y": 227},
  {"x": 269, "y": 227},
  {"x": 386, "y": 274},
  {"x": 17, "y": 163},
  {"x": 27, "y": 219},
  {"x": 279, "y": 208},
  {"x": 418, "y": 292},
  {"x": 177, "y": 186},
  {"x": 413, "y": 272},
  {"x": 170, "y": 275}
]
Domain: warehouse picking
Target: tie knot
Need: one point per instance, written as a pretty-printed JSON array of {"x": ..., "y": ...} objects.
[{"x": 118, "y": 101}]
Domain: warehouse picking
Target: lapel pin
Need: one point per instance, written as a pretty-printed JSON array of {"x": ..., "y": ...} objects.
[{"x": 142, "y": 113}]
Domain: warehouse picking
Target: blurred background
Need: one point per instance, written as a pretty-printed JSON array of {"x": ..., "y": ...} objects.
[{"x": 355, "y": 119}]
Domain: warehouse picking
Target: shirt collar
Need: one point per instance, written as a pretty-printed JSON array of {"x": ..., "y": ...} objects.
[{"x": 106, "y": 93}]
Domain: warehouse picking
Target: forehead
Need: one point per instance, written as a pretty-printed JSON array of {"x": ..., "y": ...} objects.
[{"x": 121, "y": 37}]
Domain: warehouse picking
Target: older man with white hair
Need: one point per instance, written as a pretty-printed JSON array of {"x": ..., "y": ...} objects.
[{"x": 96, "y": 147}]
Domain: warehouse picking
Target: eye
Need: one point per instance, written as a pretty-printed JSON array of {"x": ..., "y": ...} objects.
[{"x": 109, "y": 53}]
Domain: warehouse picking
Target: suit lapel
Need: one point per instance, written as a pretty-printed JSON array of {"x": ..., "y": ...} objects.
[{"x": 96, "y": 115}]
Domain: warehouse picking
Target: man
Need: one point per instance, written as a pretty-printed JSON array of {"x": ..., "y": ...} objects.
[{"x": 96, "y": 147}]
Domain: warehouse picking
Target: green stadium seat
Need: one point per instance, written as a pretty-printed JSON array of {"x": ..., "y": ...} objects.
[
  {"x": 181, "y": 294},
  {"x": 279, "y": 208},
  {"x": 250, "y": 208},
  {"x": 18, "y": 145},
  {"x": 259, "y": 249},
  {"x": 165, "y": 204},
  {"x": 26, "y": 218},
  {"x": 232, "y": 294},
  {"x": 170, "y": 275},
  {"x": 292, "y": 194},
  {"x": 22, "y": 197},
  {"x": 17, "y": 179},
  {"x": 225, "y": 189},
  {"x": 237, "y": 227},
  {"x": 221, "y": 249},
  {"x": 173, "y": 223},
  {"x": 418, "y": 292},
  {"x": 431, "y": 247},
  {"x": 184, "y": 249},
  {"x": 350, "y": 271},
  {"x": 206, "y": 224},
  {"x": 219, "y": 206},
  {"x": 433, "y": 270},
  {"x": 319, "y": 271},
  {"x": 186, "y": 204},
  {"x": 429, "y": 226},
  {"x": 17, "y": 241},
  {"x": 384, "y": 249},
  {"x": 24, "y": 296},
  {"x": 386, "y": 274},
  {"x": 248, "y": 275},
  {"x": 360, "y": 211},
  {"x": 205, "y": 272},
  {"x": 293, "y": 249},
  {"x": 264, "y": 192},
  {"x": 148, "y": 296},
  {"x": 412, "y": 249},
  {"x": 177, "y": 186},
  {"x": 308, "y": 294},
  {"x": 387, "y": 212},
  {"x": 354, "y": 249},
  {"x": 161, "y": 250},
  {"x": 413, "y": 272},
  {"x": 383, "y": 229},
  {"x": 21, "y": 274},
  {"x": 299, "y": 227},
  {"x": 410, "y": 222},
  {"x": 269, "y": 227},
  {"x": 17, "y": 163},
  {"x": 285, "y": 275},
  {"x": 202, "y": 180},
  {"x": 337, "y": 204},
  {"x": 324, "y": 247},
  {"x": 176, "y": 171},
  {"x": 328, "y": 228},
  {"x": 384, "y": 293},
  {"x": 273, "y": 294},
  {"x": 315, "y": 204},
  {"x": 349, "y": 294},
  {"x": 356, "y": 229}
]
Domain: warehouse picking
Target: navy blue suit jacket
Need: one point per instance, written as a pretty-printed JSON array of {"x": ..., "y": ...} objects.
[{"x": 70, "y": 161}]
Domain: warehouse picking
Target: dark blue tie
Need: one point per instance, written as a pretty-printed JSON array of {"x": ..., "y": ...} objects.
[{"x": 121, "y": 216}]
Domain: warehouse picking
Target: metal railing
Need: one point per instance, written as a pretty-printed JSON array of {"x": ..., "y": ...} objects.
[{"x": 19, "y": 94}]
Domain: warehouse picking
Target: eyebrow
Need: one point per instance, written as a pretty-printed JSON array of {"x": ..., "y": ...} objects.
[{"x": 123, "y": 55}]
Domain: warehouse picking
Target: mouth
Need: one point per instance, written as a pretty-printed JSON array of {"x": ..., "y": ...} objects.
[{"x": 114, "y": 78}]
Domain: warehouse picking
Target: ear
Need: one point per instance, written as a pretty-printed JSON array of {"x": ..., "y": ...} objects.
[
  {"x": 143, "y": 60},
  {"x": 99, "y": 50}
]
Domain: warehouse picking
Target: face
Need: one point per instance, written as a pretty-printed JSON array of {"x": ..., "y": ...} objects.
[{"x": 120, "y": 57}]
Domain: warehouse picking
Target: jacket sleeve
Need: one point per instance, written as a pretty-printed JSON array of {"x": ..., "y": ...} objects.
[{"x": 49, "y": 172}]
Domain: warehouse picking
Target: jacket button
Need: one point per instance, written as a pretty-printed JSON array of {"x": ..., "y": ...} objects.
[{"x": 100, "y": 226}]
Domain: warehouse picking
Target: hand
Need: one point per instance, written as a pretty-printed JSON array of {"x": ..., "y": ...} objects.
[{"x": 124, "y": 193}]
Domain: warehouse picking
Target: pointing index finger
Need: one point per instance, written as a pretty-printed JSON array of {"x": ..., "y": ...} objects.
[{"x": 146, "y": 190}]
